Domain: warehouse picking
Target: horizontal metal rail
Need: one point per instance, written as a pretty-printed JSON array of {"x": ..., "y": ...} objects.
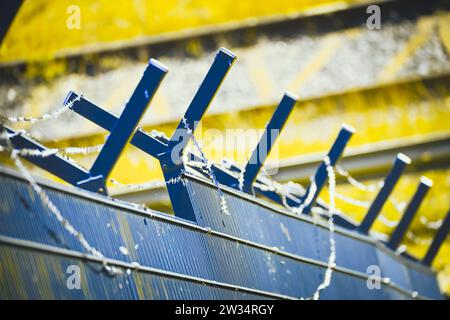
[{"x": 126, "y": 265}]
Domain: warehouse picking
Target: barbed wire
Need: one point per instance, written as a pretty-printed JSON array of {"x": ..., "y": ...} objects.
[
  {"x": 208, "y": 164},
  {"x": 51, "y": 151},
  {"x": 65, "y": 223},
  {"x": 148, "y": 185},
  {"x": 374, "y": 187},
  {"x": 433, "y": 225},
  {"x": 331, "y": 263},
  {"x": 361, "y": 186},
  {"x": 418, "y": 240},
  {"x": 46, "y": 116}
]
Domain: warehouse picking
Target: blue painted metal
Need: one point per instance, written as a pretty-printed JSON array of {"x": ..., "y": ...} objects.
[
  {"x": 202, "y": 99},
  {"x": 106, "y": 120},
  {"x": 124, "y": 127},
  {"x": 157, "y": 147},
  {"x": 169, "y": 153},
  {"x": 171, "y": 161},
  {"x": 401, "y": 161},
  {"x": 121, "y": 132},
  {"x": 262, "y": 249},
  {"x": 268, "y": 253},
  {"x": 61, "y": 167},
  {"x": 321, "y": 175},
  {"x": 266, "y": 142},
  {"x": 438, "y": 240},
  {"x": 408, "y": 216}
]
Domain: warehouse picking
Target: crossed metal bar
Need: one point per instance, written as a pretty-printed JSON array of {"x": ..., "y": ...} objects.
[
  {"x": 121, "y": 131},
  {"x": 169, "y": 152}
]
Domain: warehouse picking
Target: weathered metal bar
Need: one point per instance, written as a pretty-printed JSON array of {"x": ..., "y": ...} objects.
[
  {"x": 202, "y": 99},
  {"x": 7, "y": 14},
  {"x": 61, "y": 167},
  {"x": 123, "y": 129},
  {"x": 107, "y": 121},
  {"x": 321, "y": 176},
  {"x": 267, "y": 140},
  {"x": 171, "y": 160},
  {"x": 398, "y": 234},
  {"x": 389, "y": 183},
  {"x": 162, "y": 150},
  {"x": 438, "y": 240}
]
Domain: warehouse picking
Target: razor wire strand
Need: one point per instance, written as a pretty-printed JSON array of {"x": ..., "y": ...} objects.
[
  {"x": 46, "y": 116},
  {"x": 48, "y": 152},
  {"x": 148, "y": 185},
  {"x": 433, "y": 225},
  {"x": 418, "y": 240},
  {"x": 398, "y": 205},
  {"x": 65, "y": 223},
  {"x": 331, "y": 262},
  {"x": 357, "y": 184},
  {"x": 223, "y": 203}
]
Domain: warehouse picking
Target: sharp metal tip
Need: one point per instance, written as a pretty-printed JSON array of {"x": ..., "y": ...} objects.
[
  {"x": 158, "y": 65},
  {"x": 426, "y": 181},
  {"x": 403, "y": 157}
]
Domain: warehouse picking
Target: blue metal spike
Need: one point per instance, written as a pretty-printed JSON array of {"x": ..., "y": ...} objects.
[
  {"x": 438, "y": 240},
  {"x": 123, "y": 128},
  {"x": 169, "y": 152},
  {"x": 401, "y": 161},
  {"x": 321, "y": 175},
  {"x": 63, "y": 168},
  {"x": 201, "y": 101},
  {"x": 398, "y": 234},
  {"x": 268, "y": 139},
  {"x": 171, "y": 161}
]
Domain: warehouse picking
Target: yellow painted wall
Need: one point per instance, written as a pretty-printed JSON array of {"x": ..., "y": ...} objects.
[{"x": 40, "y": 28}]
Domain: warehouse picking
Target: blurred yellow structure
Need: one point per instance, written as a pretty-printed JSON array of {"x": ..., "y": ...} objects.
[
  {"x": 382, "y": 113},
  {"x": 104, "y": 22}
]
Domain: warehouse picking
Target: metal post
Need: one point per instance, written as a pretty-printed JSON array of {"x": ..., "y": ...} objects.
[
  {"x": 123, "y": 129},
  {"x": 389, "y": 183},
  {"x": 439, "y": 238},
  {"x": 268, "y": 139},
  {"x": 321, "y": 176},
  {"x": 398, "y": 234},
  {"x": 63, "y": 168},
  {"x": 171, "y": 161},
  {"x": 202, "y": 99}
]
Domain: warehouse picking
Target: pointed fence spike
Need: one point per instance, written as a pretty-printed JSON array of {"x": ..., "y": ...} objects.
[
  {"x": 438, "y": 240},
  {"x": 400, "y": 163},
  {"x": 267, "y": 140},
  {"x": 321, "y": 175},
  {"x": 203, "y": 97},
  {"x": 411, "y": 210},
  {"x": 124, "y": 128}
]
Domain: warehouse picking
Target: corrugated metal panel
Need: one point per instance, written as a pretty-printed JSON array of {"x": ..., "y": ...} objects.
[{"x": 169, "y": 244}]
